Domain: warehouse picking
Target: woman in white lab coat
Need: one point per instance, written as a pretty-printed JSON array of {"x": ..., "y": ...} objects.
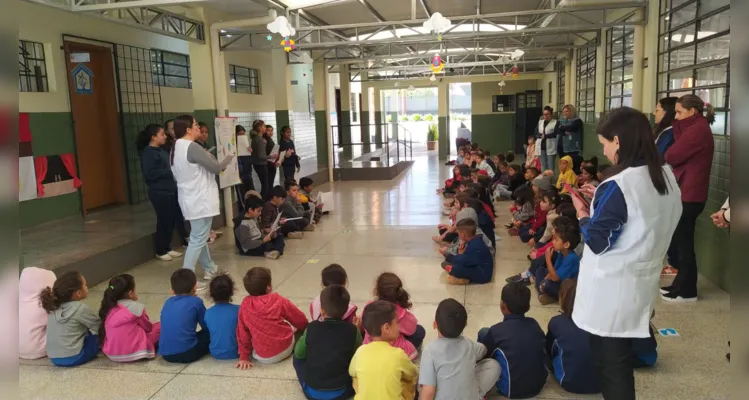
[{"x": 626, "y": 232}]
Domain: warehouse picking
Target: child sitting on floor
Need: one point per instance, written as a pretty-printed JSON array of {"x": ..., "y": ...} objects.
[
  {"x": 567, "y": 263},
  {"x": 70, "y": 322},
  {"x": 483, "y": 165},
  {"x": 568, "y": 347},
  {"x": 305, "y": 188},
  {"x": 381, "y": 371},
  {"x": 267, "y": 320},
  {"x": 550, "y": 200},
  {"x": 389, "y": 287},
  {"x": 523, "y": 209},
  {"x": 515, "y": 181},
  {"x": 518, "y": 344},
  {"x": 474, "y": 262},
  {"x": 221, "y": 319},
  {"x": 333, "y": 274},
  {"x": 270, "y": 211},
  {"x": 566, "y": 174},
  {"x": 454, "y": 367},
  {"x": 563, "y": 222},
  {"x": 127, "y": 333},
  {"x": 323, "y": 353},
  {"x": 535, "y": 228},
  {"x": 564, "y": 209},
  {"x": 292, "y": 208},
  {"x": 250, "y": 238},
  {"x": 32, "y": 318},
  {"x": 178, "y": 342}
]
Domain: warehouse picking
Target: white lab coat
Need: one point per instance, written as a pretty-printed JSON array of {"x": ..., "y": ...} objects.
[
  {"x": 551, "y": 144},
  {"x": 617, "y": 288},
  {"x": 197, "y": 190}
]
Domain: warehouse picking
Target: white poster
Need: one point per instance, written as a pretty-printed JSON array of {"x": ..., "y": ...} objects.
[
  {"x": 226, "y": 145},
  {"x": 26, "y": 179}
]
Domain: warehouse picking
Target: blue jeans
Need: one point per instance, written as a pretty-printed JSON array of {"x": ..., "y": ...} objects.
[
  {"x": 88, "y": 352},
  {"x": 197, "y": 250},
  {"x": 548, "y": 161}
]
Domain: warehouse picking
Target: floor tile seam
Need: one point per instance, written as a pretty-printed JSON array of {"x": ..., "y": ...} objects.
[
  {"x": 166, "y": 383},
  {"x": 89, "y": 367},
  {"x": 308, "y": 258},
  {"x": 291, "y": 379},
  {"x": 377, "y": 255}
]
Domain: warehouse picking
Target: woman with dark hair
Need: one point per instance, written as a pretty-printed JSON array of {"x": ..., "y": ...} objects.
[
  {"x": 259, "y": 157},
  {"x": 546, "y": 132},
  {"x": 272, "y": 158},
  {"x": 169, "y": 130},
  {"x": 626, "y": 233},
  {"x": 665, "y": 111},
  {"x": 195, "y": 172},
  {"x": 291, "y": 159},
  {"x": 691, "y": 157},
  {"x": 162, "y": 190}
]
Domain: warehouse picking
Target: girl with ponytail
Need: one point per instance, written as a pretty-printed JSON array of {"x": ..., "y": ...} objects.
[
  {"x": 389, "y": 287},
  {"x": 127, "y": 333},
  {"x": 70, "y": 322}
]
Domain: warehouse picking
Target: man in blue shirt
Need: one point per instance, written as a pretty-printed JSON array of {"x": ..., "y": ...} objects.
[
  {"x": 178, "y": 342},
  {"x": 548, "y": 280}
]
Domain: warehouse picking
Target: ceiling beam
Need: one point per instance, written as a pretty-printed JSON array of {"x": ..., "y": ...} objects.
[
  {"x": 114, "y": 4},
  {"x": 371, "y": 10},
  {"x": 507, "y": 64},
  {"x": 425, "y": 7}
]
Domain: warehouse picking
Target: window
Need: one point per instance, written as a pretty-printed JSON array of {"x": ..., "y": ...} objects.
[
  {"x": 585, "y": 95},
  {"x": 560, "y": 86},
  {"x": 354, "y": 97},
  {"x": 693, "y": 54},
  {"x": 32, "y": 68},
  {"x": 170, "y": 69},
  {"x": 620, "y": 51},
  {"x": 244, "y": 80}
]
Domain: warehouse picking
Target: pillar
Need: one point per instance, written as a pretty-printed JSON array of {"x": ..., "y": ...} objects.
[
  {"x": 600, "y": 76},
  {"x": 322, "y": 117},
  {"x": 345, "y": 82},
  {"x": 637, "y": 66},
  {"x": 364, "y": 117},
  {"x": 443, "y": 117},
  {"x": 569, "y": 87},
  {"x": 379, "y": 117}
]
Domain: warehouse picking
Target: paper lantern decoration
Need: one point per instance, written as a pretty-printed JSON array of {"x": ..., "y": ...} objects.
[
  {"x": 515, "y": 71},
  {"x": 288, "y": 44},
  {"x": 437, "y": 64},
  {"x": 432, "y": 78}
]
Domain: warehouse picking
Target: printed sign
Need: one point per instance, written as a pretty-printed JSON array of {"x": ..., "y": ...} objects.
[
  {"x": 226, "y": 145},
  {"x": 82, "y": 78},
  {"x": 80, "y": 57},
  {"x": 668, "y": 332}
]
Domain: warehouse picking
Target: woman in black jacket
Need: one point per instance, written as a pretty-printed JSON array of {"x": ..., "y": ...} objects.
[
  {"x": 259, "y": 157},
  {"x": 162, "y": 189},
  {"x": 291, "y": 159}
]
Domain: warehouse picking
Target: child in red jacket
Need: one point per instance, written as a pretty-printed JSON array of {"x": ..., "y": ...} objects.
[{"x": 264, "y": 329}]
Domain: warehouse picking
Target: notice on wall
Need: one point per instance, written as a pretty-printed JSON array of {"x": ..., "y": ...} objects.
[{"x": 226, "y": 145}]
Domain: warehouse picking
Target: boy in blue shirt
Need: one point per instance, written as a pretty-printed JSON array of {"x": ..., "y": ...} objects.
[
  {"x": 221, "y": 319},
  {"x": 518, "y": 344},
  {"x": 474, "y": 262},
  {"x": 178, "y": 342},
  {"x": 567, "y": 264}
]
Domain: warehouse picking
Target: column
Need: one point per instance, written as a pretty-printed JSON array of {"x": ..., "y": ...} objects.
[
  {"x": 443, "y": 113},
  {"x": 281, "y": 89},
  {"x": 637, "y": 70},
  {"x": 569, "y": 86},
  {"x": 346, "y": 139},
  {"x": 600, "y": 76},
  {"x": 379, "y": 118},
  {"x": 364, "y": 117},
  {"x": 322, "y": 116}
]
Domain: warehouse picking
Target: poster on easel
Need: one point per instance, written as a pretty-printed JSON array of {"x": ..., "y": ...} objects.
[{"x": 226, "y": 145}]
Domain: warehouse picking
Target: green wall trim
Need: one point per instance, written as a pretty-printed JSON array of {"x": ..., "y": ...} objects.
[
  {"x": 282, "y": 119},
  {"x": 591, "y": 145},
  {"x": 321, "y": 133},
  {"x": 52, "y": 133},
  {"x": 443, "y": 126},
  {"x": 207, "y": 116},
  {"x": 494, "y": 132},
  {"x": 39, "y": 211},
  {"x": 346, "y": 138}
]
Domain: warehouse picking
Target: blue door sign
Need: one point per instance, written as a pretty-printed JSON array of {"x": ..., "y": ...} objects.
[{"x": 83, "y": 79}]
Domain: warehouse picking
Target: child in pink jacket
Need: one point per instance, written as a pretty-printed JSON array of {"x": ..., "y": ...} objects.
[
  {"x": 126, "y": 332},
  {"x": 390, "y": 288},
  {"x": 32, "y": 319},
  {"x": 333, "y": 274}
]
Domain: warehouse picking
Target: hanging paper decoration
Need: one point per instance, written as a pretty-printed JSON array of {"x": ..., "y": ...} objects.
[
  {"x": 515, "y": 71},
  {"x": 437, "y": 24},
  {"x": 288, "y": 44},
  {"x": 501, "y": 86},
  {"x": 432, "y": 78},
  {"x": 437, "y": 64},
  {"x": 269, "y": 37}
]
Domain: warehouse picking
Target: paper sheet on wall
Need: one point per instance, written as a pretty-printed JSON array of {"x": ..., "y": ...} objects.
[{"x": 226, "y": 146}]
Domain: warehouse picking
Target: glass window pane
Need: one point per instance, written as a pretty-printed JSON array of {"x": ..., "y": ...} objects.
[
  {"x": 707, "y": 6},
  {"x": 173, "y": 81},
  {"x": 684, "y": 15},
  {"x": 627, "y": 101},
  {"x": 242, "y": 80},
  {"x": 713, "y": 49},
  {"x": 175, "y": 70},
  {"x": 175, "y": 58},
  {"x": 712, "y": 75},
  {"x": 628, "y": 88},
  {"x": 681, "y": 58},
  {"x": 716, "y": 97},
  {"x": 683, "y": 35},
  {"x": 676, "y": 3},
  {"x": 714, "y": 24},
  {"x": 681, "y": 80},
  {"x": 628, "y": 72}
]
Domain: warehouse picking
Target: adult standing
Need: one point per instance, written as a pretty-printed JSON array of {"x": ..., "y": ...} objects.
[
  {"x": 665, "y": 113},
  {"x": 569, "y": 134},
  {"x": 272, "y": 157},
  {"x": 162, "y": 190},
  {"x": 463, "y": 137},
  {"x": 244, "y": 151},
  {"x": 179, "y": 219},
  {"x": 634, "y": 212},
  {"x": 290, "y": 158},
  {"x": 259, "y": 157},
  {"x": 195, "y": 171},
  {"x": 546, "y": 132},
  {"x": 691, "y": 157},
  {"x": 170, "y": 139}
]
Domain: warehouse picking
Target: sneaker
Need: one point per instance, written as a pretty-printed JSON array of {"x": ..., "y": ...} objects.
[
  {"x": 667, "y": 289},
  {"x": 272, "y": 255},
  {"x": 674, "y": 297},
  {"x": 201, "y": 287},
  {"x": 209, "y": 275},
  {"x": 295, "y": 235},
  {"x": 510, "y": 225},
  {"x": 669, "y": 271},
  {"x": 309, "y": 228},
  {"x": 164, "y": 257},
  {"x": 545, "y": 299},
  {"x": 513, "y": 278},
  {"x": 174, "y": 254},
  {"x": 524, "y": 281}
]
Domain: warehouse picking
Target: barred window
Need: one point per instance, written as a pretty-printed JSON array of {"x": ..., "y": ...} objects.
[
  {"x": 560, "y": 86},
  {"x": 693, "y": 54},
  {"x": 620, "y": 53},
  {"x": 585, "y": 95},
  {"x": 171, "y": 69},
  {"x": 32, "y": 67},
  {"x": 244, "y": 80}
]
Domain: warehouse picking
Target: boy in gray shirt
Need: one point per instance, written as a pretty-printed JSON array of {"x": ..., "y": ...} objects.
[{"x": 452, "y": 367}]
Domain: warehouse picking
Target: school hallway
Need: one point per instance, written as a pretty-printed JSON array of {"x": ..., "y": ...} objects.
[{"x": 379, "y": 226}]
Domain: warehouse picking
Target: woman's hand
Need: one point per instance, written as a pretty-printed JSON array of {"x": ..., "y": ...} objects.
[
  {"x": 244, "y": 364},
  {"x": 581, "y": 207},
  {"x": 587, "y": 190},
  {"x": 719, "y": 219}
]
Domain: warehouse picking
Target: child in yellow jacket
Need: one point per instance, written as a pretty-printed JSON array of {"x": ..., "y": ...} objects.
[{"x": 566, "y": 174}]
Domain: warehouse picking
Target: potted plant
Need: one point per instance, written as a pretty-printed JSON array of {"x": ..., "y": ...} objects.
[{"x": 432, "y": 136}]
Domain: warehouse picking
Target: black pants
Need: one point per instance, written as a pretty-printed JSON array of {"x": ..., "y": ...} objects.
[
  {"x": 288, "y": 171},
  {"x": 194, "y": 354},
  {"x": 685, "y": 283},
  {"x": 262, "y": 175},
  {"x": 272, "y": 169},
  {"x": 418, "y": 337},
  {"x": 276, "y": 244},
  {"x": 612, "y": 359},
  {"x": 166, "y": 207},
  {"x": 294, "y": 226}
]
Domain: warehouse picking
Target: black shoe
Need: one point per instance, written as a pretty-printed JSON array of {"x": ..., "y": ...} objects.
[
  {"x": 667, "y": 289},
  {"x": 513, "y": 278},
  {"x": 510, "y": 225},
  {"x": 675, "y": 297}
]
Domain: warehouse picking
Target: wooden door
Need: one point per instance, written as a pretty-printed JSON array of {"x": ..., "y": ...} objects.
[
  {"x": 98, "y": 142},
  {"x": 533, "y": 112}
]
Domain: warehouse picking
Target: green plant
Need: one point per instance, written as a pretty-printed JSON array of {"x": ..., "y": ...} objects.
[
  {"x": 433, "y": 133},
  {"x": 428, "y": 117},
  {"x": 404, "y": 118},
  {"x": 389, "y": 118},
  {"x": 416, "y": 117}
]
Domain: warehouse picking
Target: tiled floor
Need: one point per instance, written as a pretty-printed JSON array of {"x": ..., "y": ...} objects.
[{"x": 376, "y": 227}]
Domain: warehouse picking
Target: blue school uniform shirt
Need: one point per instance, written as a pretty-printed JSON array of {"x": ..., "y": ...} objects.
[
  {"x": 569, "y": 350},
  {"x": 475, "y": 264},
  {"x": 568, "y": 266},
  {"x": 518, "y": 344},
  {"x": 221, "y": 320},
  {"x": 180, "y": 317}
]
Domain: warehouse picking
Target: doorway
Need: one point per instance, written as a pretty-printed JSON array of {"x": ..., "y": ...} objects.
[{"x": 91, "y": 84}]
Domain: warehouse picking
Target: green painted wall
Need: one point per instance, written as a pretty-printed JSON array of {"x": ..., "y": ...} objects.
[
  {"x": 282, "y": 119},
  {"x": 379, "y": 120},
  {"x": 365, "y": 132},
  {"x": 443, "y": 146},
  {"x": 591, "y": 146},
  {"x": 39, "y": 211},
  {"x": 494, "y": 132},
  {"x": 321, "y": 133}
]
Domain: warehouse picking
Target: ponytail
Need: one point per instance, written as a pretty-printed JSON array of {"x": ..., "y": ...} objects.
[
  {"x": 689, "y": 101},
  {"x": 389, "y": 287},
  {"x": 709, "y": 113},
  {"x": 118, "y": 289},
  {"x": 144, "y": 137},
  {"x": 50, "y": 298}
]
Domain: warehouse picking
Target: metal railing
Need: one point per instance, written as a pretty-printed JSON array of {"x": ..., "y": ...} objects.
[{"x": 384, "y": 145}]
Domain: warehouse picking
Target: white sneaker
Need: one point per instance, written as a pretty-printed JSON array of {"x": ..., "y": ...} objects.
[
  {"x": 164, "y": 257},
  {"x": 272, "y": 255},
  {"x": 209, "y": 275},
  {"x": 295, "y": 235},
  {"x": 174, "y": 254}
]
